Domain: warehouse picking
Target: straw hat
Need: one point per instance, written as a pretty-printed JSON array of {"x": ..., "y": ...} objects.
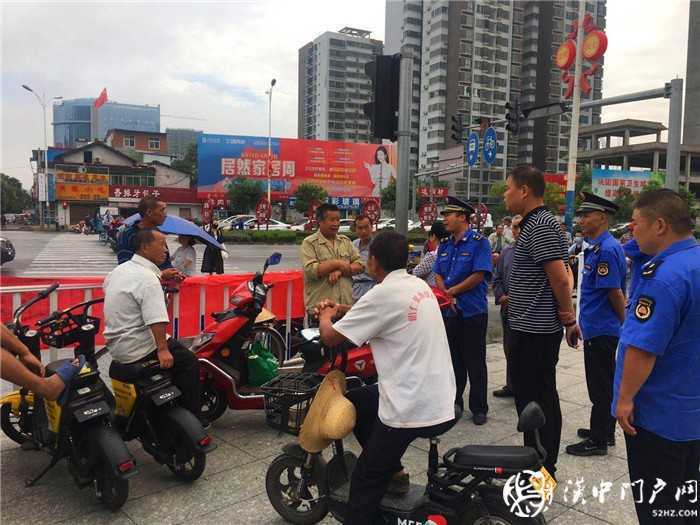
[{"x": 330, "y": 417}]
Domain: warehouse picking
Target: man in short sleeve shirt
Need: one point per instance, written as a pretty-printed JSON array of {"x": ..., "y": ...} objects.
[
  {"x": 602, "y": 313},
  {"x": 539, "y": 303},
  {"x": 657, "y": 379},
  {"x": 462, "y": 268}
]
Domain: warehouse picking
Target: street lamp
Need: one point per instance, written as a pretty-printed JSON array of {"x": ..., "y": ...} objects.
[
  {"x": 42, "y": 101},
  {"x": 269, "y": 137}
]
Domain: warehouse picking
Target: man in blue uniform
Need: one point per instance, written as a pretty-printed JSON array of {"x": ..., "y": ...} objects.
[
  {"x": 657, "y": 379},
  {"x": 602, "y": 313},
  {"x": 462, "y": 268}
]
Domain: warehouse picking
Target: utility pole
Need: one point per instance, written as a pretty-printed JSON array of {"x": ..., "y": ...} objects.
[
  {"x": 269, "y": 139},
  {"x": 575, "y": 118},
  {"x": 673, "y": 149},
  {"x": 404, "y": 139}
]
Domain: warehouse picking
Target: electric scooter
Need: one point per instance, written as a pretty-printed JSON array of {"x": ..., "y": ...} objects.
[{"x": 303, "y": 487}]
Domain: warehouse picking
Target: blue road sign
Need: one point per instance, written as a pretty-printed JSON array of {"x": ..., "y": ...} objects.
[
  {"x": 490, "y": 146},
  {"x": 473, "y": 149}
]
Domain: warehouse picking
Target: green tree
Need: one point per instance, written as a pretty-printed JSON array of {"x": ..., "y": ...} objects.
[
  {"x": 189, "y": 163},
  {"x": 625, "y": 201},
  {"x": 498, "y": 210},
  {"x": 306, "y": 193},
  {"x": 688, "y": 196},
  {"x": 13, "y": 198},
  {"x": 244, "y": 194},
  {"x": 584, "y": 182},
  {"x": 554, "y": 197},
  {"x": 388, "y": 196}
]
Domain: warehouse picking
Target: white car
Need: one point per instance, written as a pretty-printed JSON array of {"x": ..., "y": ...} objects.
[
  {"x": 273, "y": 224},
  {"x": 300, "y": 225},
  {"x": 229, "y": 223},
  {"x": 391, "y": 223},
  {"x": 346, "y": 225}
]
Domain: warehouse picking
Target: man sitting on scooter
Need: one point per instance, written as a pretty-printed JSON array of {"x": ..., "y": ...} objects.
[
  {"x": 414, "y": 397},
  {"x": 136, "y": 316}
]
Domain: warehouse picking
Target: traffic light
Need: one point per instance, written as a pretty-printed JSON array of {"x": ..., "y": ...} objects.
[
  {"x": 457, "y": 128},
  {"x": 513, "y": 116},
  {"x": 384, "y": 72}
]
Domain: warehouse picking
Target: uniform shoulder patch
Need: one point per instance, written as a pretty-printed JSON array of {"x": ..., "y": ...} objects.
[
  {"x": 478, "y": 236},
  {"x": 644, "y": 309},
  {"x": 649, "y": 269},
  {"x": 596, "y": 248},
  {"x": 603, "y": 269}
]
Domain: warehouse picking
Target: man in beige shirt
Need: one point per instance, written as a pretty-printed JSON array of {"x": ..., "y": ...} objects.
[{"x": 329, "y": 260}]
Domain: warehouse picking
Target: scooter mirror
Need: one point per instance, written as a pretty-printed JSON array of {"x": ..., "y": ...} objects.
[
  {"x": 531, "y": 418},
  {"x": 273, "y": 259}
]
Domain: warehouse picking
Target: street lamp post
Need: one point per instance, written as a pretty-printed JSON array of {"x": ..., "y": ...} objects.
[
  {"x": 269, "y": 137},
  {"x": 42, "y": 101}
]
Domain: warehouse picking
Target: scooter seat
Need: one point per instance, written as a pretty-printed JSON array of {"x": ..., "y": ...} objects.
[
  {"x": 55, "y": 365},
  {"x": 515, "y": 458},
  {"x": 132, "y": 372}
]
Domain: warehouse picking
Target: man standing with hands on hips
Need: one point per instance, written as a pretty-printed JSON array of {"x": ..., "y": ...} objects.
[
  {"x": 602, "y": 314},
  {"x": 657, "y": 378},
  {"x": 462, "y": 268}
]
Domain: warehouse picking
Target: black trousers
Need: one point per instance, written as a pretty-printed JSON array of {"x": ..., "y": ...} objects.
[
  {"x": 599, "y": 359},
  {"x": 534, "y": 360},
  {"x": 467, "y": 339},
  {"x": 506, "y": 346},
  {"x": 651, "y": 457},
  {"x": 185, "y": 373},
  {"x": 382, "y": 449}
]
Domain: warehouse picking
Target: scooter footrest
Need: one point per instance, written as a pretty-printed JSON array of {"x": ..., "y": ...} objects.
[{"x": 415, "y": 498}]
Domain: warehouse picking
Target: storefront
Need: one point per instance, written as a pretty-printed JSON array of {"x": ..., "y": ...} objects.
[
  {"x": 181, "y": 202},
  {"x": 80, "y": 195}
]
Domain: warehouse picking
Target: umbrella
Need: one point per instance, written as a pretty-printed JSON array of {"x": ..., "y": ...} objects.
[{"x": 180, "y": 226}]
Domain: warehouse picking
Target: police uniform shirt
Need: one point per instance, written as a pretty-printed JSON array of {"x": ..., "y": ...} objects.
[
  {"x": 604, "y": 269},
  {"x": 663, "y": 318},
  {"x": 457, "y": 261}
]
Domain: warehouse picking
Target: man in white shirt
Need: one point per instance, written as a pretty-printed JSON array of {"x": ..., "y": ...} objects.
[
  {"x": 414, "y": 397},
  {"x": 136, "y": 316}
]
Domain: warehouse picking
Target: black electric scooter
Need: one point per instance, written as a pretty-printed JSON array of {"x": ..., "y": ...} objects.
[{"x": 303, "y": 488}]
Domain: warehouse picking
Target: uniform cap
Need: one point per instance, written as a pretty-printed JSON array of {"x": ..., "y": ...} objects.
[
  {"x": 593, "y": 202},
  {"x": 457, "y": 205}
]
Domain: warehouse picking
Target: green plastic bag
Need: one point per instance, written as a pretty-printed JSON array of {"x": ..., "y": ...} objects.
[{"x": 262, "y": 365}]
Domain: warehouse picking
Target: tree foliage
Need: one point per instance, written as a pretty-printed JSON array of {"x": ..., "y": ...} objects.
[
  {"x": 14, "y": 199},
  {"x": 553, "y": 198},
  {"x": 388, "y": 196},
  {"x": 687, "y": 196},
  {"x": 188, "y": 164},
  {"x": 625, "y": 201},
  {"x": 306, "y": 193},
  {"x": 244, "y": 194}
]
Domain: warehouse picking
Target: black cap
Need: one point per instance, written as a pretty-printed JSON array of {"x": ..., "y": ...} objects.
[
  {"x": 592, "y": 202},
  {"x": 457, "y": 205}
]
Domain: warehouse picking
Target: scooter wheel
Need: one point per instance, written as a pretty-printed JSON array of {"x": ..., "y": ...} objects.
[
  {"x": 188, "y": 464},
  {"x": 213, "y": 403},
  {"x": 11, "y": 426},
  {"x": 282, "y": 483},
  {"x": 111, "y": 490}
]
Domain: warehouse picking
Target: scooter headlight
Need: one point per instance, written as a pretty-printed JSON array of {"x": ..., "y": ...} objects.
[{"x": 202, "y": 339}]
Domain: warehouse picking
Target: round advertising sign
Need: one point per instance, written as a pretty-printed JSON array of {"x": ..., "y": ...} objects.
[
  {"x": 372, "y": 210},
  {"x": 263, "y": 211},
  {"x": 428, "y": 214}
]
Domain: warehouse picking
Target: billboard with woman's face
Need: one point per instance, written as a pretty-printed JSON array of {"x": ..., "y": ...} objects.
[{"x": 343, "y": 169}]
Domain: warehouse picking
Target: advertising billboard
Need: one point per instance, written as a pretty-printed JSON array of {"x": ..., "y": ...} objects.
[
  {"x": 606, "y": 183},
  {"x": 82, "y": 186},
  {"x": 343, "y": 169}
]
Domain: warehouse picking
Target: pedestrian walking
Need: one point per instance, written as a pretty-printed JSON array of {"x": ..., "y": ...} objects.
[
  {"x": 213, "y": 261},
  {"x": 539, "y": 303},
  {"x": 657, "y": 377},
  {"x": 501, "y": 275},
  {"x": 601, "y": 316},
  {"x": 362, "y": 282},
  {"x": 424, "y": 269},
  {"x": 463, "y": 268},
  {"x": 185, "y": 257}
]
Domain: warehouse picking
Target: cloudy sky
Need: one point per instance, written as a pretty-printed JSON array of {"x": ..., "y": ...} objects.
[{"x": 214, "y": 60}]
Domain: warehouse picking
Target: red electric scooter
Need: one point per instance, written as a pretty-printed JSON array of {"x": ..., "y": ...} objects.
[{"x": 222, "y": 350}]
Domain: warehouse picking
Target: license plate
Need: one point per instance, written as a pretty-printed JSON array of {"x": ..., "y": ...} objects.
[
  {"x": 544, "y": 484},
  {"x": 164, "y": 396},
  {"x": 91, "y": 411}
]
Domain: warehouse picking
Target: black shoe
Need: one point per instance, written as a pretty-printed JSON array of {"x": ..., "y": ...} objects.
[
  {"x": 479, "y": 419},
  {"x": 587, "y": 448},
  {"x": 585, "y": 433},
  {"x": 503, "y": 392}
]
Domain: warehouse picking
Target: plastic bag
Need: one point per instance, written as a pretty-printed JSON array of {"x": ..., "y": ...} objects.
[{"x": 262, "y": 365}]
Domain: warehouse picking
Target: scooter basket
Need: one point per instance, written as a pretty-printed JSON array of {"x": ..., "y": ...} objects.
[{"x": 287, "y": 400}]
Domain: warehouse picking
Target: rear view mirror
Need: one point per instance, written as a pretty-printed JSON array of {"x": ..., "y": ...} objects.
[
  {"x": 273, "y": 259},
  {"x": 531, "y": 418}
]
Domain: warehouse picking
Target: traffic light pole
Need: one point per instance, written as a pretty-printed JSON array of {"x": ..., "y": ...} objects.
[{"x": 404, "y": 139}]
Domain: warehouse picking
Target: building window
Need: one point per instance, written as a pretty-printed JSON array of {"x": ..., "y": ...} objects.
[
  {"x": 153, "y": 143},
  {"x": 129, "y": 141}
]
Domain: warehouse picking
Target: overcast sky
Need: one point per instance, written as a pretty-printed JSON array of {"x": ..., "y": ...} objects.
[{"x": 214, "y": 61}]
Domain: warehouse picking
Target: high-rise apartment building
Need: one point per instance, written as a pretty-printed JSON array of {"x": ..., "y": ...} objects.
[
  {"x": 73, "y": 120},
  {"x": 473, "y": 57},
  {"x": 333, "y": 86}
]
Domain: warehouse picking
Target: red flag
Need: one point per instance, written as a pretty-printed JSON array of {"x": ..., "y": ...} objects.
[{"x": 99, "y": 102}]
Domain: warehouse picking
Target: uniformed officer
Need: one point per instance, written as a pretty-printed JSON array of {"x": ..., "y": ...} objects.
[
  {"x": 463, "y": 267},
  {"x": 602, "y": 313},
  {"x": 657, "y": 379}
]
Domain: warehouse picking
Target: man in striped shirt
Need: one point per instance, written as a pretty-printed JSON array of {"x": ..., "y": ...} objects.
[{"x": 539, "y": 304}]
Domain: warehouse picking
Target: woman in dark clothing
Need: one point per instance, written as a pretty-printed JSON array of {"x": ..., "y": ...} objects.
[{"x": 213, "y": 262}]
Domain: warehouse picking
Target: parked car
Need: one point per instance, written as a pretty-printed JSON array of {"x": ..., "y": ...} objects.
[
  {"x": 300, "y": 225},
  {"x": 230, "y": 223},
  {"x": 391, "y": 223},
  {"x": 620, "y": 229},
  {"x": 7, "y": 250},
  {"x": 252, "y": 224},
  {"x": 346, "y": 225}
]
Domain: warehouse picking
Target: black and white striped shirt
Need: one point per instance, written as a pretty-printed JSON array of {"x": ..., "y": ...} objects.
[{"x": 532, "y": 307}]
